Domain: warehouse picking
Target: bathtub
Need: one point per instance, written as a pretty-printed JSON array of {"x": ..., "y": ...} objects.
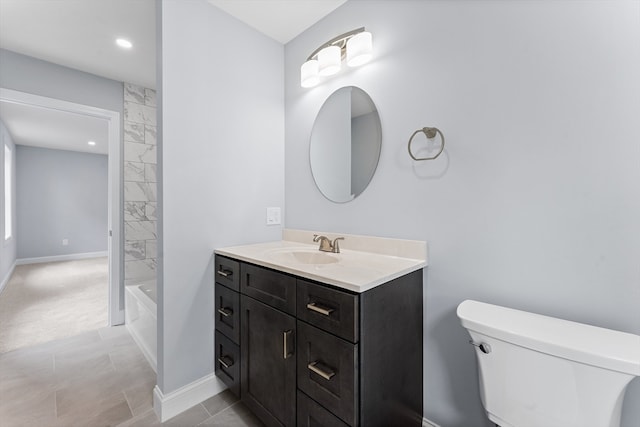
[{"x": 141, "y": 319}]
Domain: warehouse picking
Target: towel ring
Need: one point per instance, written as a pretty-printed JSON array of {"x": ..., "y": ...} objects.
[{"x": 430, "y": 133}]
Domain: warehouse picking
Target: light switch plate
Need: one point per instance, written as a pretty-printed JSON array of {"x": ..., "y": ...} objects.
[{"x": 273, "y": 216}]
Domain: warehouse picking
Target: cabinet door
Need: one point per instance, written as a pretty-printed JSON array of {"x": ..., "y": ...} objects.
[{"x": 268, "y": 368}]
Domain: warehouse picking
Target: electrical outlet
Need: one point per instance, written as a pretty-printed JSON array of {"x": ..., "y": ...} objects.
[
  {"x": 273, "y": 216},
  {"x": 65, "y": 242}
]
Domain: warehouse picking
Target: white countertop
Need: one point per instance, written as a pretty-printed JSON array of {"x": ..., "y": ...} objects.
[{"x": 354, "y": 270}]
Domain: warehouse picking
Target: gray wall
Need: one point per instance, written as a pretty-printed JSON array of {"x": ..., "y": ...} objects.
[
  {"x": 31, "y": 75},
  {"x": 535, "y": 203},
  {"x": 7, "y": 247},
  {"x": 222, "y": 151},
  {"x": 60, "y": 195}
]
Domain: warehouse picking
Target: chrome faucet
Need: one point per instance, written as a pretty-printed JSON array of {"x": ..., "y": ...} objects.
[{"x": 326, "y": 245}]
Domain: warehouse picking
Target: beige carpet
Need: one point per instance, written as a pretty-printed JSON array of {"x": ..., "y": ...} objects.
[{"x": 49, "y": 301}]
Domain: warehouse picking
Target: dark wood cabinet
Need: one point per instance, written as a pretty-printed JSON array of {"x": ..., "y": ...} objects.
[
  {"x": 227, "y": 322},
  {"x": 271, "y": 287},
  {"x": 227, "y": 362},
  {"x": 312, "y": 354},
  {"x": 328, "y": 371},
  {"x": 227, "y": 312},
  {"x": 268, "y": 374},
  {"x": 311, "y": 414}
]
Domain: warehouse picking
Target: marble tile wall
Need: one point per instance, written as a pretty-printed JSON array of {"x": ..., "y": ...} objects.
[{"x": 140, "y": 187}]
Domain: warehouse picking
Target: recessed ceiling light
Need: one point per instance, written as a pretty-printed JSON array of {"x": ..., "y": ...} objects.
[
  {"x": 124, "y": 43},
  {"x": 92, "y": 143}
]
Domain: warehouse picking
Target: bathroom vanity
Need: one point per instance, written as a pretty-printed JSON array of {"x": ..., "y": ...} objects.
[{"x": 308, "y": 338}]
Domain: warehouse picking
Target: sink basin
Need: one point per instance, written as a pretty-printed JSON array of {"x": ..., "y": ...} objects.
[{"x": 304, "y": 256}]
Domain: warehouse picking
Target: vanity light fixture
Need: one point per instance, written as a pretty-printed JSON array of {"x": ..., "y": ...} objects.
[
  {"x": 91, "y": 143},
  {"x": 356, "y": 46}
]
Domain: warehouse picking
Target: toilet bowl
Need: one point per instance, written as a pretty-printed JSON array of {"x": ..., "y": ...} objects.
[{"x": 537, "y": 371}]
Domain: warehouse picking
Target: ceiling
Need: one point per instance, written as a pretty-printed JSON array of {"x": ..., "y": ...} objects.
[
  {"x": 282, "y": 20},
  {"x": 81, "y": 34},
  {"x": 49, "y": 128}
]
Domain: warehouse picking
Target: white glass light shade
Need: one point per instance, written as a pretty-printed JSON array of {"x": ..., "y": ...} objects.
[
  {"x": 329, "y": 60},
  {"x": 359, "y": 49},
  {"x": 309, "y": 73}
]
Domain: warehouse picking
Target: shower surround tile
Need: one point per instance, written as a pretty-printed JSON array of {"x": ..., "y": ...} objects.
[
  {"x": 150, "y": 211},
  {"x": 138, "y": 113},
  {"x": 140, "y": 270},
  {"x": 134, "y": 93},
  {"x": 143, "y": 153},
  {"x": 151, "y": 248},
  {"x": 135, "y": 211},
  {"x": 134, "y": 171},
  {"x": 150, "y": 173},
  {"x": 140, "y": 187},
  {"x": 135, "y": 250},
  {"x": 150, "y": 135},
  {"x": 139, "y": 230},
  {"x": 134, "y": 132},
  {"x": 150, "y": 97},
  {"x": 140, "y": 192}
]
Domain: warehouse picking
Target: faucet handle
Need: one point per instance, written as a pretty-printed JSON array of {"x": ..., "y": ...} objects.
[{"x": 335, "y": 246}]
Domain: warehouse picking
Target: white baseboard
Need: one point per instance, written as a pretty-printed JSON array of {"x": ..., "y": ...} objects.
[
  {"x": 169, "y": 405},
  {"x": 427, "y": 423},
  {"x": 69, "y": 257},
  {"x": 6, "y": 278}
]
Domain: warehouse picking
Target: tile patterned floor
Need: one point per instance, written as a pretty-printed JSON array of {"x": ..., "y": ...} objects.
[{"x": 98, "y": 378}]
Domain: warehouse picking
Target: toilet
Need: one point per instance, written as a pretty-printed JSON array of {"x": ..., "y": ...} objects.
[{"x": 537, "y": 371}]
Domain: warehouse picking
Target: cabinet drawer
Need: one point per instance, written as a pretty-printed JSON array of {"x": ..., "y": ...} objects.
[
  {"x": 227, "y": 362},
  {"x": 329, "y": 309},
  {"x": 310, "y": 414},
  {"x": 227, "y": 272},
  {"x": 270, "y": 287},
  {"x": 227, "y": 312},
  {"x": 328, "y": 371}
]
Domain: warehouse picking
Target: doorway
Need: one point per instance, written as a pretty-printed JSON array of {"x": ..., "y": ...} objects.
[{"x": 114, "y": 216}]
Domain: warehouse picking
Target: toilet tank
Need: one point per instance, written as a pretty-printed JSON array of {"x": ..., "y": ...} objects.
[{"x": 543, "y": 371}]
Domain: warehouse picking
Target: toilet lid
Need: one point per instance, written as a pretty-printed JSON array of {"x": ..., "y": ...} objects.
[{"x": 592, "y": 345}]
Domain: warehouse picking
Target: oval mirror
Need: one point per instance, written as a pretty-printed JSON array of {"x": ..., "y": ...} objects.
[{"x": 345, "y": 144}]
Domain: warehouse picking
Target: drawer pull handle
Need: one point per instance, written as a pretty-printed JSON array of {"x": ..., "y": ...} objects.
[
  {"x": 226, "y": 361},
  {"x": 226, "y": 312},
  {"x": 286, "y": 336},
  {"x": 313, "y": 306},
  {"x": 326, "y": 374},
  {"x": 225, "y": 273}
]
